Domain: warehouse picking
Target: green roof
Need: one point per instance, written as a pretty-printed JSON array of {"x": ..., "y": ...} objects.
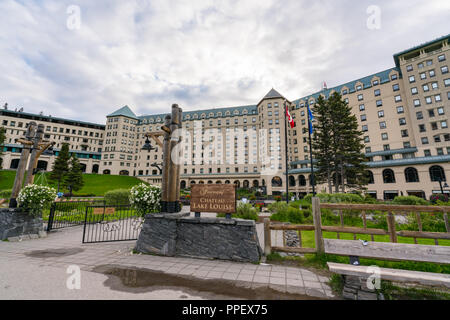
[
  {"x": 426, "y": 44},
  {"x": 124, "y": 111}
]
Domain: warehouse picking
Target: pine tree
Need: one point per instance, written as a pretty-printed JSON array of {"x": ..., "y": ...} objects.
[
  {"x": 322, "y": 143},
  {"x": 73, "y": 181},
  {"x": 338, "y": 145},
  {"x": 61, "y": 165},
  {"x": 2, "y": 140}
]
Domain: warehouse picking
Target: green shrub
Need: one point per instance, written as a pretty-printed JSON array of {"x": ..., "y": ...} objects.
[
  {"x": 338, "y": 198},
  {"x": 277, "y": 207},
  {"x": 5, "y": 194},
  {"x": 244, "y": 211},
  {"x": 410, "y": 200},
  {"x": 117, "y": 197}
]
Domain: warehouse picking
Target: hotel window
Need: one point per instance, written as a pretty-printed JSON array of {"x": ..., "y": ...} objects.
[
  {"x": 431, "y": 113},
  {"x": 417, "y": 103},
  {"x": 381, "y": 114},
  {"x": 377, "y": 92},
  {"x": 412, "y": 79},
  {"x": 379, "y": 103},
  {"x": 359, "y": 88},
  {"x": 444, "y": 125},
  {"x": 395, "y": 87},
  {"x": 360, "y": 97},
  {"x": 425, "y": 88},
  {"x": 383, "y": 125},
  {"x": 414, "y": 91},
  {"x": 437, "y": 98},
  {"x": 437, "y": 138},
  {"x": 384, "y": 136},
  {"x": 346, "y": 100},
  {"x": 409, "y": 68},
  {"x": 419, "y": 115},
  {"x": 447, "y": 84},
  {"x": 406, "y": 145},
  {"x": 432, "y": 73},
  {"x": 363, "y": 107},
  {"x": 427, "y": 153},
  {"x": 440, "y": 151},
  {"x": 368, "y": 150},
  {"x": 394, "y": 77},
  {"x": 344, "y": 92},
  {"x": 423, "y": 76},
  {"x": 447, "y": 137},
  {"x": 402, "y": 121},
  {"x": 440, "y": 111},
  {"x": 366, "y": 139},
  {"x": 386, "y": 147},
  {"x": 365, "y": 128},
  {"x": 428, "y": 100},
  {"x": 400, "y": 109},
  {"x": 422, "y": 128},
  {"x": 434, "y": 86},
  {"x": 375, "y": 83},
  {"x": 429, "y": 62},
  {"x": 441, "y": 58},
  {"x": 398, "y": 98},
  {"x": 425, "y": 140},
  {"x": 404, "y": 133},
  {"x": 444, "y": 69}
]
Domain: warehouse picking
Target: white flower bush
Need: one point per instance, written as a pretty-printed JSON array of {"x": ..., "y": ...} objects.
[
  {"x": 35, "y": 198},
  {"x": 145, "y": 199}
]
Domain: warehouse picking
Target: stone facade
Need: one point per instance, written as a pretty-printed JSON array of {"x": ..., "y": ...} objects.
[
  {"x": 210, "y": 238},
  {"x": 15, "y": 223}
]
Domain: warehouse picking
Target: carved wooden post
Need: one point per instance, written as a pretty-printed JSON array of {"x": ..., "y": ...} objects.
[
  {"x": 317, "y": 218},
  {"x": 166, "y": 164},
  {"x": 267, "y": 239},
  {"x": 20, "y": 173},
  {"x": 391, "y": 227},
  {"x": 36, "y": 140}
]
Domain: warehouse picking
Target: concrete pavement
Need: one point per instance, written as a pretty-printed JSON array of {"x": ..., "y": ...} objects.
[{"x": 37, "y": 269}]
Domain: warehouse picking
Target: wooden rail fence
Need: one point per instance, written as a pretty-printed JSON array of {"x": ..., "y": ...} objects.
[{"x": 362, "y": 210}]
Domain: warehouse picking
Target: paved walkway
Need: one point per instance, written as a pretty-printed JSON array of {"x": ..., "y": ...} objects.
[{"x": 18, "y": 263}]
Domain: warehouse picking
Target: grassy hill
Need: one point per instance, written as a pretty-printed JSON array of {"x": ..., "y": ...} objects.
[{"x": 93, "y": 183}]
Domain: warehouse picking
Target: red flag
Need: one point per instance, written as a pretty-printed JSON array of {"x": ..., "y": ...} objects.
[{"x": 290, "y": 119}]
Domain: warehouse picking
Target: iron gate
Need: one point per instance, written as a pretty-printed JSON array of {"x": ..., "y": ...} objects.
[
  {"x": 65, "y": 214},
  {"x": 110, "y": 224}
]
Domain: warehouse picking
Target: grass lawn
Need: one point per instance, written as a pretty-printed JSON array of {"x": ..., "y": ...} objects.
[{"x": 94, "y": 184}]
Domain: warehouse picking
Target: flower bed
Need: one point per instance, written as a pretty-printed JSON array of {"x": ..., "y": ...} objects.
[{"x": 145, "y": 199}]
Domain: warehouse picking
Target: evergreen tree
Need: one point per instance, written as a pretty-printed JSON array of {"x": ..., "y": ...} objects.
[
  {"x": 322, "y": 143},
  {"x": 61, "y": 165},
  {"x": 2, "y": 140},
  {"x": 338, "y": 145},
  {"x": 73, "y": 181}
]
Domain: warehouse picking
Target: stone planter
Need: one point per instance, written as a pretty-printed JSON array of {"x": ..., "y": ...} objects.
[
  {"x": 16, "y": 223},
  {"x": 207, "y": 238}
]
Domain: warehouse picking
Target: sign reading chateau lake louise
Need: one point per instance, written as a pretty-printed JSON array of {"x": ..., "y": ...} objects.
[{"x": 216, "y": 198}]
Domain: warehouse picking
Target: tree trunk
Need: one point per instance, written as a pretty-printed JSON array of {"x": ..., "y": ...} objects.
[
  {"x": 330, "y": 187},
  {"x": 342, "y": 176}
]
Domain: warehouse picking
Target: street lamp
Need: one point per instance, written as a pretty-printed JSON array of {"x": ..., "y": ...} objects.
[
  {"x": 148, "y": 146},
  {"x": 442, "y": 186}
]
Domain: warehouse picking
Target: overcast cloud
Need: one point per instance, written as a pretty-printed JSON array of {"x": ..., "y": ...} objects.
[{"x": 200, "y": 54}]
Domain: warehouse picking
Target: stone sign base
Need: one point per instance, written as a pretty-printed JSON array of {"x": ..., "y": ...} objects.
[
  {"x": 15, "y": 223},
  {"x": 210, "y": 238}
]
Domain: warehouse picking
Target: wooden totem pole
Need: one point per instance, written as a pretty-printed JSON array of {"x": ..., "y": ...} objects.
[{"x": 170, "y": 192}]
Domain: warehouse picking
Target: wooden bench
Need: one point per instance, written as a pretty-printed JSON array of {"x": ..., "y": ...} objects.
[{"x": 355, "y": 276}]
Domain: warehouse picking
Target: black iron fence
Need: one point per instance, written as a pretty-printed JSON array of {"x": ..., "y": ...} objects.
[
  {"x": 111, "y": 223},
  {"x": 65, "y": 214}
]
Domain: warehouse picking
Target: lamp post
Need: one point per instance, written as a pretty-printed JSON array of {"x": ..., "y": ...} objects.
[{"x": 442, "y": 186}]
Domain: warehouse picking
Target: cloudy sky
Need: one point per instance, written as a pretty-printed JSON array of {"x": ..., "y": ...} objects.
[{"x": 83, "y": 59}]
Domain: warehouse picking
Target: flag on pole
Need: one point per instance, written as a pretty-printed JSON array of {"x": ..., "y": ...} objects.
[
  {"x": 288, "y": 115},
  {"x": 310, "y": 118}
]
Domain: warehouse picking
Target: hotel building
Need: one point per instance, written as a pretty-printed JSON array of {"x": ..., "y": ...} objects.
[{"x": 403, "y": 112}]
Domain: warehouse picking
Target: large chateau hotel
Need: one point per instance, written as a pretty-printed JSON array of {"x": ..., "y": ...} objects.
[{"x": 403, "y": 112}]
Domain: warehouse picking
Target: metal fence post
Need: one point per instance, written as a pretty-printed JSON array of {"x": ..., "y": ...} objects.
[
  {"x": 317, "y": 218},
  {"x": 51, "y": 216},
  {"x": 85, "y": 222}
]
